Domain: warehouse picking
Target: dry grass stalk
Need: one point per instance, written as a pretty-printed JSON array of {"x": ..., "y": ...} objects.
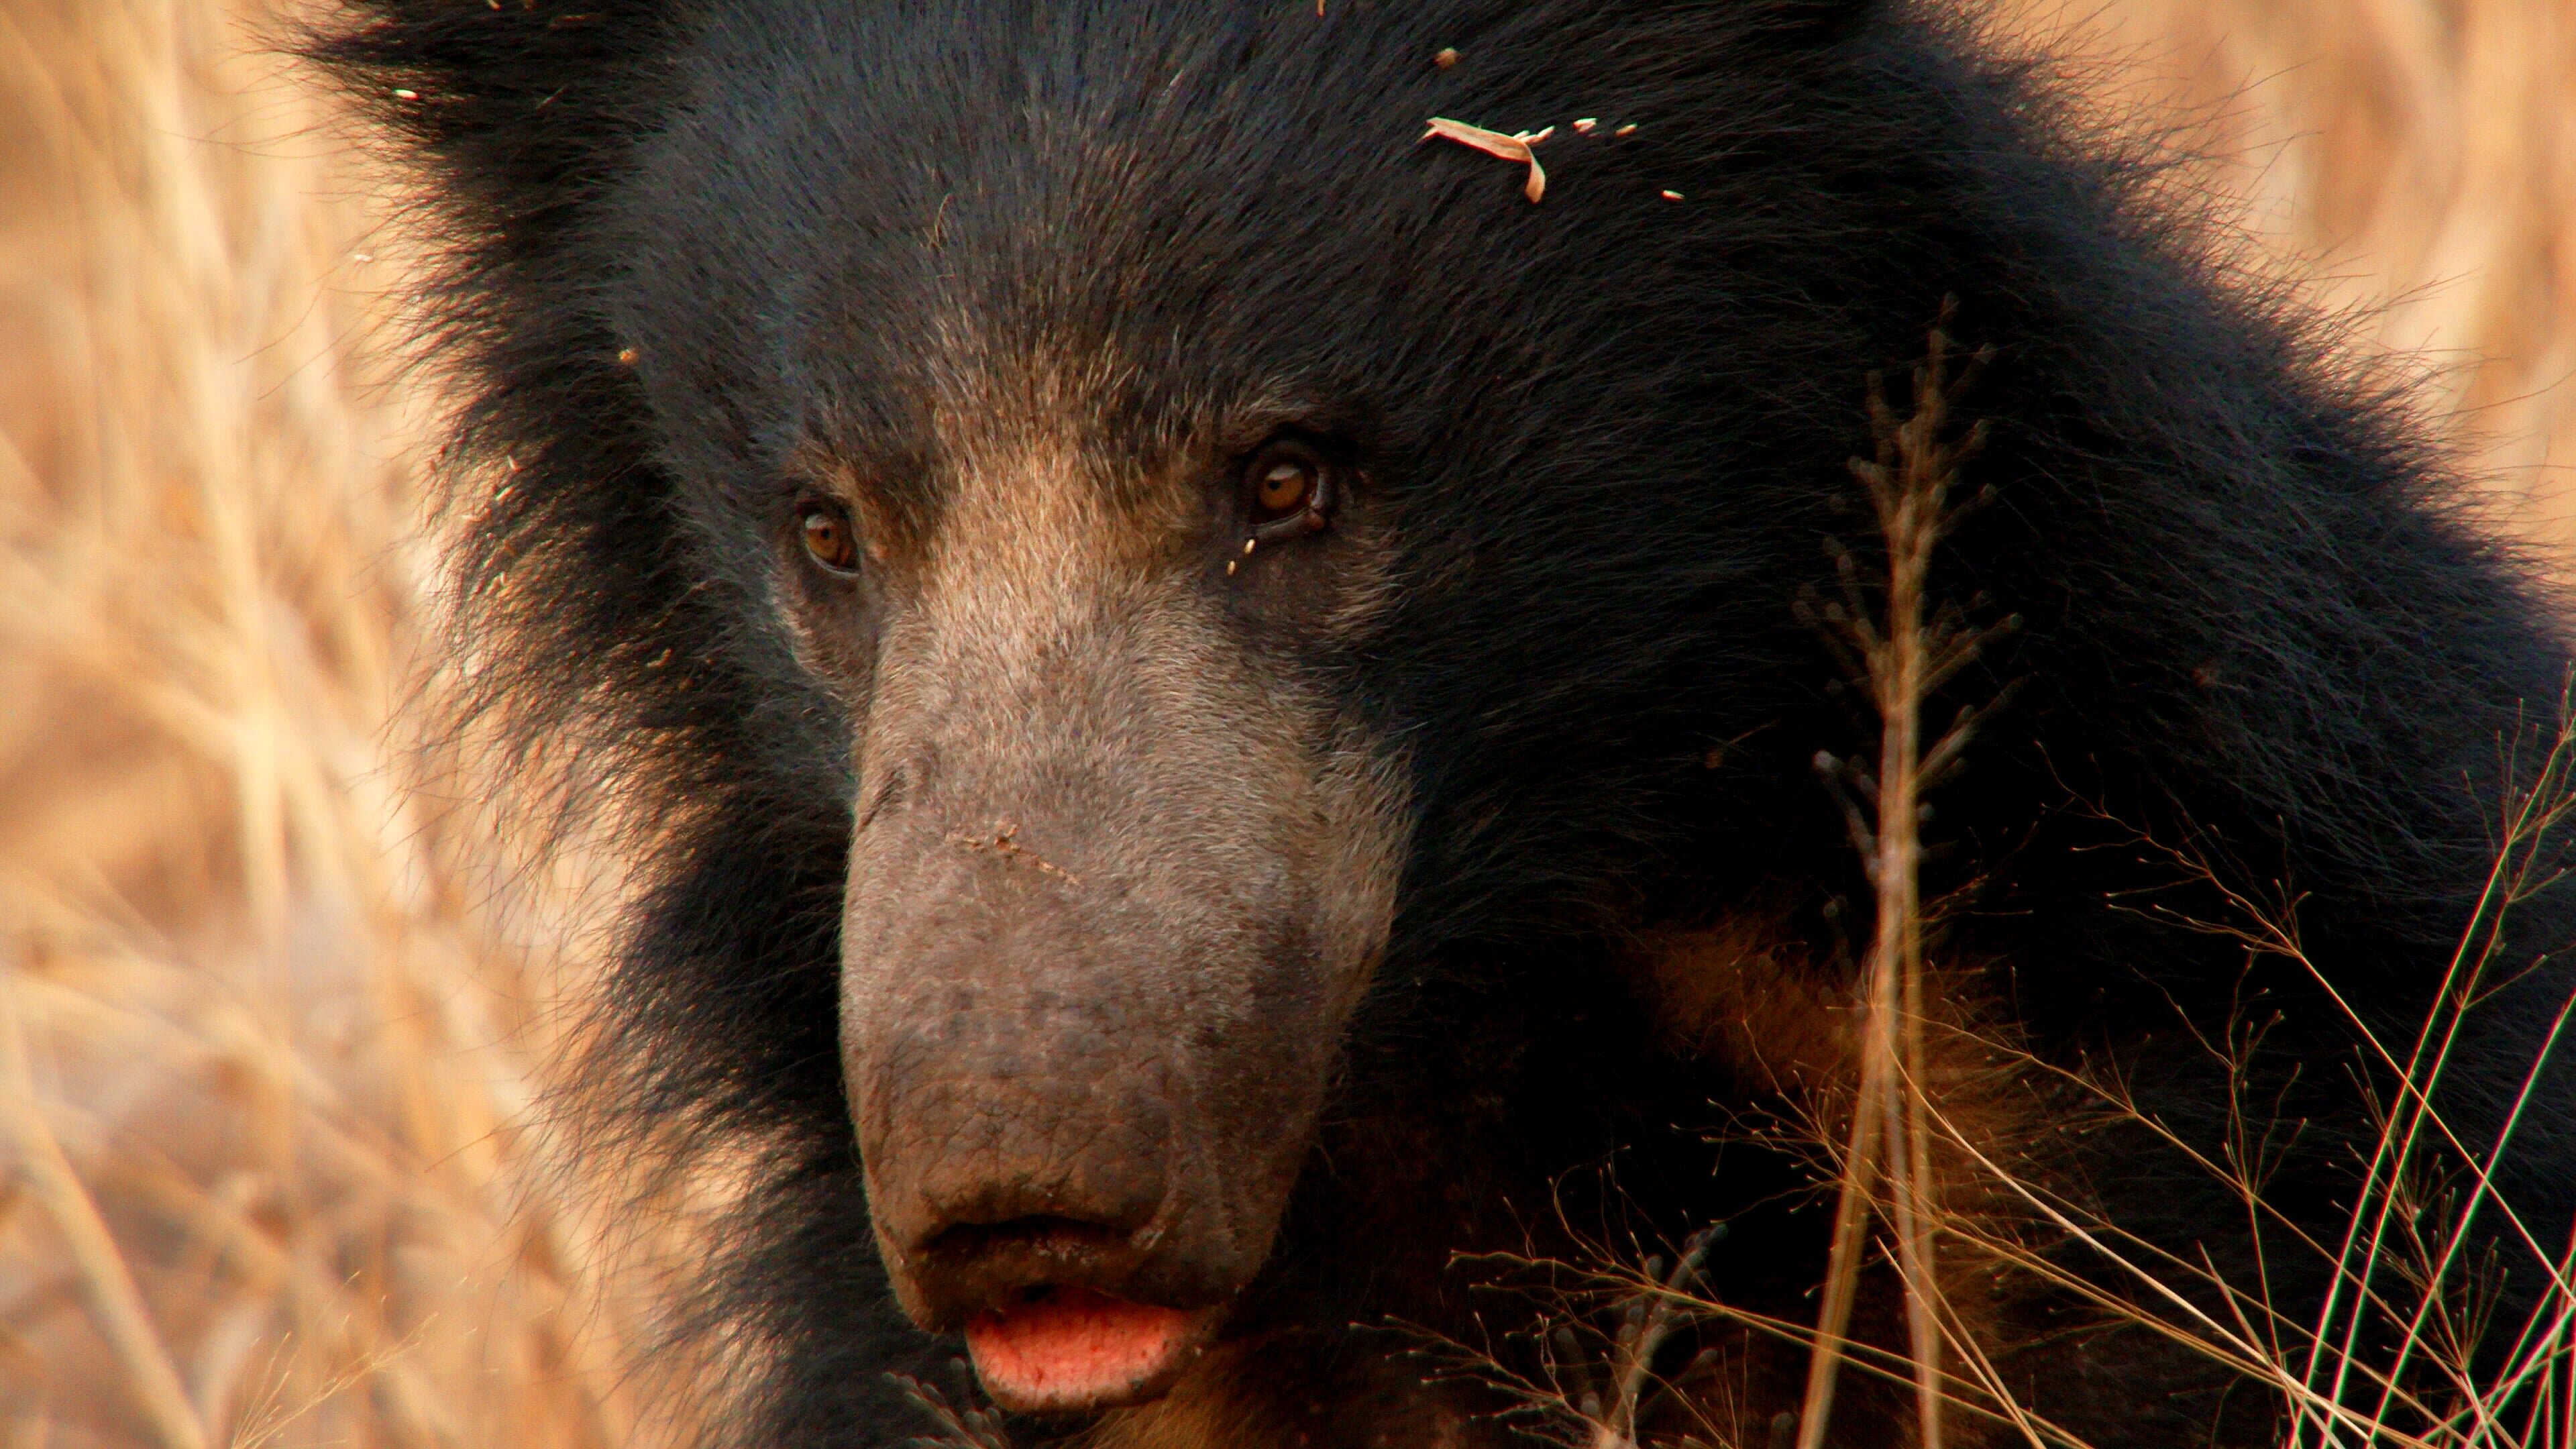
[
  {"x": 2402, "y": 1267},
  {"x": 2388, "y": 1361},
  {"x": 1901, "y": 647},
  {"x": 282, "y": 1022},
  {"x": 1600, "y": 1325},
  {"x": 106, "y": 1284}
]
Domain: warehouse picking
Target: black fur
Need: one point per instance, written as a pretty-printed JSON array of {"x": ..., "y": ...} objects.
[{"x": 1612, "y": 428}]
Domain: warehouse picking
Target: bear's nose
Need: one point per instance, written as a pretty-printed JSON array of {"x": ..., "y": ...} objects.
[
  {"x": 984, "y": 1153},
  {"x": 1012, "y": 1149},
  {"x": 1020, "y": 1170}
]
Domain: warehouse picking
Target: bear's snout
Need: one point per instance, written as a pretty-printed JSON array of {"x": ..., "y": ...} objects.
[
  {"x": 1082, "y": 1079},
  {"x": 1068, "y": 1158},
  {"x": 1013, "y": 1145},
  {"x": 1030, "y": 1188},
  {"x": 1115, "y": 885}
]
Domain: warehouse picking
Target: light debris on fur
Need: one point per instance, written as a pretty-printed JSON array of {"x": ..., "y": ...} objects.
[{"x": 1514, "y": 147}]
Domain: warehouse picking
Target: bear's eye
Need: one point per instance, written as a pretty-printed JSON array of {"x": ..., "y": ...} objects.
[
  {"x": 829, "y": 538},
  {"x": 1288, "y": 490},
  {"x": 1285, "y": 488}
]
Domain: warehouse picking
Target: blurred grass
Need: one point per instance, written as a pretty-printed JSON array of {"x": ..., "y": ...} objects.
[
  {"x": 2416, "y": 158},
  {"x": 268, "y": 998},
  {"x": 273, "y": 1010}
]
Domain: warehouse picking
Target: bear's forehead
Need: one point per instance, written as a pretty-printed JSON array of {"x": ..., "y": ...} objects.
[
  {"x": 1181, "y": 205},
  {"x": 1035, "y": 183}
]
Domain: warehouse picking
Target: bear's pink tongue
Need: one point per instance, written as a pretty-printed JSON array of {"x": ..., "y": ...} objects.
[{"x": 1077, "y": 1349}]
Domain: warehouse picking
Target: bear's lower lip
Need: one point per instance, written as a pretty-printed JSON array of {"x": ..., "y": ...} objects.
[{"x": 1073, "y": 1349}]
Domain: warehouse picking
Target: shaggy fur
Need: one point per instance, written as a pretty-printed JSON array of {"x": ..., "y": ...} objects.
[{"x": 1603, "y": 437}]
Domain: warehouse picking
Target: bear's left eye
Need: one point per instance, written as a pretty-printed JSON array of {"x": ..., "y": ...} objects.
[
  {"x": 829, "y": 538},
  {"x": 1288, "y": 490}
]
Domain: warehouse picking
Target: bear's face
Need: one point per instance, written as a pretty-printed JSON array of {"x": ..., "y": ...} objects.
[
  {"x": 1087, "y": 577},
  {"x": 1221, "y": 529},
  {"x": 1121, "y": 864}
]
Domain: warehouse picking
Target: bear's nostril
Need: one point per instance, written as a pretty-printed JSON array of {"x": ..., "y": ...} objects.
[{"x": 1027, "y": 1264}]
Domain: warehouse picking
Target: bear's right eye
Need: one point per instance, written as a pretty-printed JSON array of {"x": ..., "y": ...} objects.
[
  {"x": 829, "y": 538},
  {"x": 1289, "y": 490}
]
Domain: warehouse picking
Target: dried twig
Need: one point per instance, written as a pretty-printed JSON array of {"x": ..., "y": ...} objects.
[
  {"x": 1514, "y": 147},
  {"x": 1645, "y": 1325},
  {"x": 1901, "y": 648},
  {"x": 1598, "y": 1334}
]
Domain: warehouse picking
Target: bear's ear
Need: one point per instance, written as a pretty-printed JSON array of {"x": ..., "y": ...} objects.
[{"x": 517, "y": 108}]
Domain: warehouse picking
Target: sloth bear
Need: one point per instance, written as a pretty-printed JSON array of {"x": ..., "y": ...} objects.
[{"x": 1221, "y": 736}]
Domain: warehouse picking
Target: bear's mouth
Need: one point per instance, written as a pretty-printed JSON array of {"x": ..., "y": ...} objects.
[{"x": 1054, "y": 1349}]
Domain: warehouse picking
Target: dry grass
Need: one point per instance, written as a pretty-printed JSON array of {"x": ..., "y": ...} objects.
[
  {"x": 268, "y": 1043},
  {"x": 272, "y": 1018},
  {"x": 2412, "y": 157}
]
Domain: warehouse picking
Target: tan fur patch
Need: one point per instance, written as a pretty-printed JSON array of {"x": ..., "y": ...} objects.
[
  {"x": 1746, "y": 993},
  {"x": 1750, "y": 994}
]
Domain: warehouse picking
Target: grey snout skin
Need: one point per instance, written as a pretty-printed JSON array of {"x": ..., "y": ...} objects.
[
  {"x": 1113, "y": 892},
  {"x": 1056, "y": 1081}
]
